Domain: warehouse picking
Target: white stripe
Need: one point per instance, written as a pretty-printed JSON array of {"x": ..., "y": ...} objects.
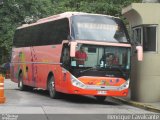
[
  {"x": 104, "y": 43},
  {"x": 53, "y": 63},
  {"x": 1, "y": 83}
]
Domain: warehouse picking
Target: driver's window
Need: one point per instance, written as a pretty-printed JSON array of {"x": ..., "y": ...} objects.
[{"x": 65, "y": 58}]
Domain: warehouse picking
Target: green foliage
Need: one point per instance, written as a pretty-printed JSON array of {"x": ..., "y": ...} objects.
[
  {"x": 111, "y": 7},
  {"x": 14, "y": 13}
]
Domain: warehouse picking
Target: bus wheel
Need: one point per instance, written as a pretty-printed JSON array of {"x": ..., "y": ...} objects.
[
  {"x": 21, "y": 86},
  {"x": 100, "y": 98},
  {"x": 51, "y": 88}
]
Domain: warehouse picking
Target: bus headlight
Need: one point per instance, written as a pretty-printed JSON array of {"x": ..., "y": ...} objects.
[
  {"x": 75, "y": 82},
  {"x": 124, "y": 85}
]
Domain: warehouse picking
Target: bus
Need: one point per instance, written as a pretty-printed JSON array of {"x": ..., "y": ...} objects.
[{"x": 44, "y": 55}]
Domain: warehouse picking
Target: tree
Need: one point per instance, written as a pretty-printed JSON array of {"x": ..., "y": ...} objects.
[{"x": 14, "y": 13}]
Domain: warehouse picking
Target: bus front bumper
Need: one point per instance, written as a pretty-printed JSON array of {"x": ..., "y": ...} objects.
[
  {"x": 78, "y": 87},
  {"x": 98, "y": 92}
]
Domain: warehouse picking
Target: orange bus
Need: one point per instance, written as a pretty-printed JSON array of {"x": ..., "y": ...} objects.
[{"x": 44, "y": 55}]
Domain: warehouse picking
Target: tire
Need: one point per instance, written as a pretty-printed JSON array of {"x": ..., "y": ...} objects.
[
  {"x": 51, "y": 88},
  {"x": 100, "y": 98},
  {"x": 21, "y": 86}
]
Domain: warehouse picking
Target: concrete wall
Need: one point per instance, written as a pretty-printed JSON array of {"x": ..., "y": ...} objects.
[{"x": 145, "y": 78}]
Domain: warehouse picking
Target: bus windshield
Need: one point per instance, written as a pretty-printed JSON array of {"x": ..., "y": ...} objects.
[
  {"x": 99, "y": 28},
  {"x": 104, "y": 57},
  {"x": 96, "y": 60}
]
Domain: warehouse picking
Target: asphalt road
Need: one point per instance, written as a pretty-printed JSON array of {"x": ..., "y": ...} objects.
[{"x": 36, "y": 103}]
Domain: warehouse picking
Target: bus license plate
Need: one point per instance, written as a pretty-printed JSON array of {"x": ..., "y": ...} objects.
[{"x": 102, "y": 92}]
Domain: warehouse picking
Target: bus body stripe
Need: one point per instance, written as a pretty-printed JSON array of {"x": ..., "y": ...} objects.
[
  {"x": 103, "y": 43},
  {"x": 52, "y": 63}
]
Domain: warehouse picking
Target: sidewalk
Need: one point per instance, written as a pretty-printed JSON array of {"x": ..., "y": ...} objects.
[{"x": 154, "y": 106}]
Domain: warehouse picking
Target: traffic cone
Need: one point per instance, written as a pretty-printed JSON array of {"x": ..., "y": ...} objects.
[{"x": 2, "y": 98}]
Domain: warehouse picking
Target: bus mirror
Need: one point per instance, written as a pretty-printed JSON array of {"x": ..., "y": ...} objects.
[
  {"x": 73, "y": 48},
  {"x": 139, "y": 53}
]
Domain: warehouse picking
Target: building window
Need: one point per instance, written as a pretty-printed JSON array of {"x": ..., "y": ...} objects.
[
  {"x": 137, "y": 35},
  {"x": 146, "y": 36},
  {"x": 149, "y": 38}
]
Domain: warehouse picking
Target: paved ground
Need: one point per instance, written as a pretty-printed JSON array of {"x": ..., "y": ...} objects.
[{"x": 38, "y": 102}]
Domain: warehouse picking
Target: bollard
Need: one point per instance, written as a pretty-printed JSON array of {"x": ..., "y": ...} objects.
[{"x": 2, "y": 98}]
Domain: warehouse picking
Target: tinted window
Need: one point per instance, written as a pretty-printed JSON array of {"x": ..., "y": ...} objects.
[
  {"x": 44, "y": 34},
  {"x": 149, "y": 38},
  {"x": 145, "y": 35}
]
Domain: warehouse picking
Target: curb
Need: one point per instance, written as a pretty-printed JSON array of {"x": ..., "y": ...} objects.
[{"x": 138, "y": 104}]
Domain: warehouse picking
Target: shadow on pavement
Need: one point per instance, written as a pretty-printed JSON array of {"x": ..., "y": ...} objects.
[{"x": 73, "y": 98}]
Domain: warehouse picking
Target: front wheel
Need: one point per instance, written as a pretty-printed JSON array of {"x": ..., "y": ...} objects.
[
  {"x": 51, "y": 88},
  {"x": 100, "y": 98}
]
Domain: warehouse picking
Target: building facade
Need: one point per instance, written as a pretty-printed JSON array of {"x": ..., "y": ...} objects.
[{"x": 144, "y": 20}]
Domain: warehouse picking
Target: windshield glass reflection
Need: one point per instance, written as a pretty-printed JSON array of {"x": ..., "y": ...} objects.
[
  {"x": 99, "y": 28},
  {"x": 93, "y": 56}
]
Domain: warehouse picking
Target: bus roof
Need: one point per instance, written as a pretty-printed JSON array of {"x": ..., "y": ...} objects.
[{"x": 59, "y": 16}]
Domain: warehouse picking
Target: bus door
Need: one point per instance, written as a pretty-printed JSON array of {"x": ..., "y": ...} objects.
[{"x": 65, "y": 60}]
